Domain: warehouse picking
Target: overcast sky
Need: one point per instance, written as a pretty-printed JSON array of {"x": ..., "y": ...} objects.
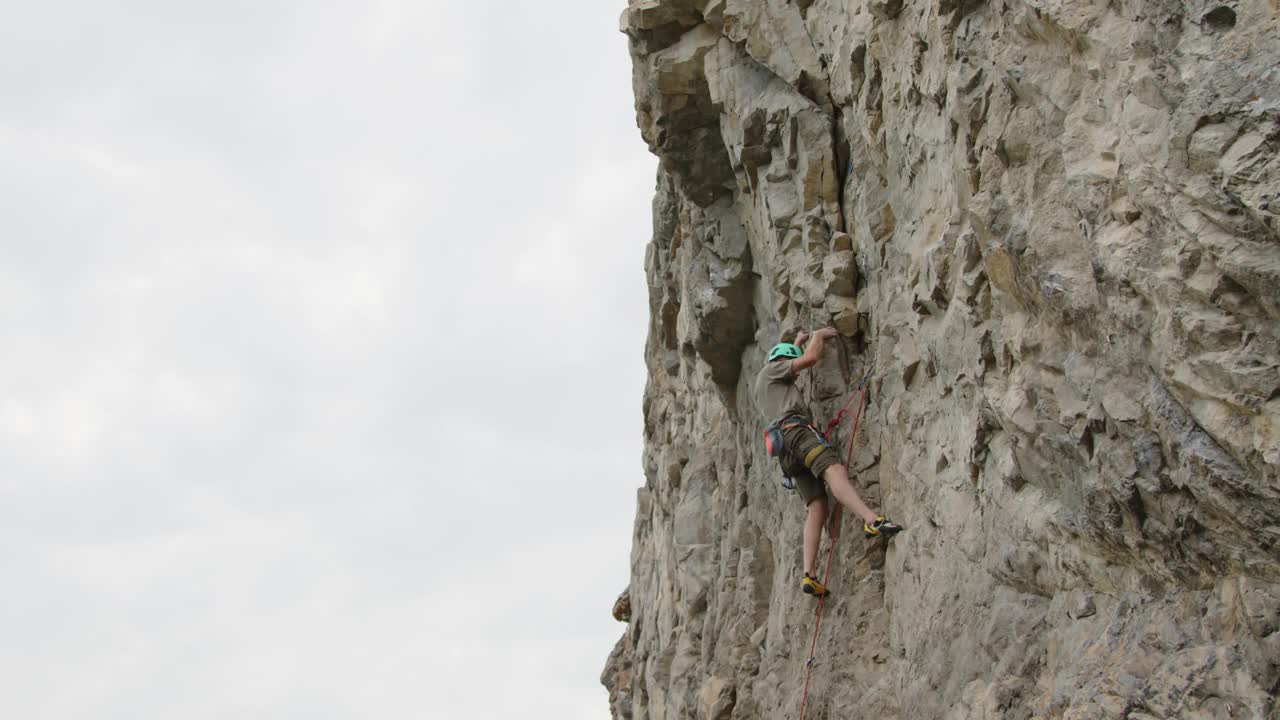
[{"x": 321, "y": 337}]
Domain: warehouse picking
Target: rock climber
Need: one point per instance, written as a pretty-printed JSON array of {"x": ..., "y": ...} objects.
[{"x": 805, "y": 455}]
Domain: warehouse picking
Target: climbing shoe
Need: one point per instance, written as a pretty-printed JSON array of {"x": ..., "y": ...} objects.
[
  {"x": 882, "y": 526},
  {"x": 811, "y": 586}
]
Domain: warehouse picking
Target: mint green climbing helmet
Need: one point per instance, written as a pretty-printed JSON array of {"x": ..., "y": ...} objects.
[{"x": 784, "y": 350}]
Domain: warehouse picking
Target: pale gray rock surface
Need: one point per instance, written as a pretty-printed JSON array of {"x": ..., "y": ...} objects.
[{"x": 1051, "y": 231}]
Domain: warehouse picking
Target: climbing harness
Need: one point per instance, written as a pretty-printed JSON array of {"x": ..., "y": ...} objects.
[
  {"x": 773, "y": 442},
  {"x": 861, "y": 392},
  {"x": 773, "y": 435}
]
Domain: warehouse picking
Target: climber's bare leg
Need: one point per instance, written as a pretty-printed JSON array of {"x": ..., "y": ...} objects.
[
  {"x": 837, "y": 477},
  {"x": 813, "y": 522}
]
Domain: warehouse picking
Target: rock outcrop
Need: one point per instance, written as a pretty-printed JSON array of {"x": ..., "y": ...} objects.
[{"x": 1051, "y": 231}]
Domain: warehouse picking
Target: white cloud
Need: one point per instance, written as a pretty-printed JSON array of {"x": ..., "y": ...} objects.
[{"x": 322, "y": 378}]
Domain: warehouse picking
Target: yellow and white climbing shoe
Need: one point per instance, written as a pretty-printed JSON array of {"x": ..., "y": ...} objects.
[
  {"x": 811, "y": 586},
  {"x": 882, "y": 526}
]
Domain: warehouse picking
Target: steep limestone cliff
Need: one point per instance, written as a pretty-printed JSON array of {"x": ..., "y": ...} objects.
[{"x": 1051, "y": 230}]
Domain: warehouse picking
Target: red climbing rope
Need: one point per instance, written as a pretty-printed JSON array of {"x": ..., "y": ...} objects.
[
  {"x": 839, "y": 415},
  {"x": 861, "y": 392}
]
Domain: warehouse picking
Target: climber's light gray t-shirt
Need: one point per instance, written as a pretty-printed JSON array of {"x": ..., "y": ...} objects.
[{"x": 776, "y": 393}]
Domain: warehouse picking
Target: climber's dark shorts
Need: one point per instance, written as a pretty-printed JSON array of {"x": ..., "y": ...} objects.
[{"x": 803, "y": 443}]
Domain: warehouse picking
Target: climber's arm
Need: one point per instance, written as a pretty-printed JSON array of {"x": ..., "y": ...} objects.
[{"x": 813, "y": 351}]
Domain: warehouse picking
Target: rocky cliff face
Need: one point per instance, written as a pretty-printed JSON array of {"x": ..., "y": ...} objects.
[{"x": 1051, "y": 231}]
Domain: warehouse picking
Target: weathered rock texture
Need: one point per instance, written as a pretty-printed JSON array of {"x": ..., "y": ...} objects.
[{"x": 1052, "y": 229}]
